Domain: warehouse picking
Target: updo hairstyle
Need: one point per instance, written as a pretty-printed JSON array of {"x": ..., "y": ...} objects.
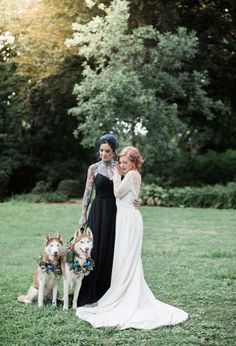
[
  {"x": 133, "y": 154},
  {"x": 109, "y": 139}
]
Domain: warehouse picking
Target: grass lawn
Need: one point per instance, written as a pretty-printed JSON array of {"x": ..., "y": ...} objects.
[{"x": 189, "y": 258}]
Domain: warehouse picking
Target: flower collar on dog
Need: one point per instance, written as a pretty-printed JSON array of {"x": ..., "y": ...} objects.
[
  {"x": 49, "y": 267},
  {"x": 86, "y": 268},
  {"x": 70, "y": 258}
]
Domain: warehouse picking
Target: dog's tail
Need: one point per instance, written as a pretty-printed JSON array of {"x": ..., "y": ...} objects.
[
  {"x": 29, "y": 297},
  {"x": 23, "y": 299}
]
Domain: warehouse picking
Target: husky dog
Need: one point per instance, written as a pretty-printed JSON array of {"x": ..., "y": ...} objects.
[
  {"x": 47, "y": 275},
  {"x": 77, "y": 264}
]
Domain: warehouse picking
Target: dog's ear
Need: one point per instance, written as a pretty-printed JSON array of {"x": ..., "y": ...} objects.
[
  {"x": 89, "y": 232},
  {"x": 77, "y": 233},
  {"x": 48, "y": 237},
  {"x": 58, "y": 236}
]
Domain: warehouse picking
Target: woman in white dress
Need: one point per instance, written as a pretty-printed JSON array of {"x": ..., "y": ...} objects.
[{"x": 129, "y": 303}]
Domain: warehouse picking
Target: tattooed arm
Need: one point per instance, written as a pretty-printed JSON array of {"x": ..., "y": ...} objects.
[{"x": 87, "y": 196}]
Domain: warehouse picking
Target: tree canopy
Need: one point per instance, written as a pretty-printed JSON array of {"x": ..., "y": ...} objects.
[
  {"x": 159, "y": 73},
  {"x": 141, "y": 83}
]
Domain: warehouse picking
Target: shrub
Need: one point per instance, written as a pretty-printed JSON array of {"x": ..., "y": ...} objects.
[
  {"x": 47, "y": 197},
  {"x": 41, "y": 187},
  {"x": 217, "y": 196},
  {"x": 211, "y": 168},
  {"x": 71, "y": 187},
  {"x": 216, "y": 167},
  {"x": 4, "y": 180}
]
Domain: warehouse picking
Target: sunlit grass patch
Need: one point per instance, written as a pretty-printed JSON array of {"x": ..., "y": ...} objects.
[{"x": 188, "y": 258}]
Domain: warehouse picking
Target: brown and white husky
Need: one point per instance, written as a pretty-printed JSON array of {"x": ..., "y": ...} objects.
[
  {"x": 77, "y": 264},
  {"x": 47, "y": 275}
]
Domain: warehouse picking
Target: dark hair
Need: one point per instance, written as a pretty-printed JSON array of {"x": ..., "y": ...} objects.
[{"x": 110, "y": 139}]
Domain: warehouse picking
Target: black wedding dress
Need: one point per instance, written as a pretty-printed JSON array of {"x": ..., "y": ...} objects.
[{"x": 101, "y": 220}]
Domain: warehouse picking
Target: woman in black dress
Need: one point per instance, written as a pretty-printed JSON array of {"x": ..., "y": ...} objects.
[{"x": 101, "y": 220}]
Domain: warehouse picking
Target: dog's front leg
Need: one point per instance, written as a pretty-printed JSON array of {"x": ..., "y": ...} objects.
[
  {"x": 76, "y": 291},
  {"x": 54, "y": 292},
  {"x": 41, "y": 289},
  {"x": 66, "y": 279}
]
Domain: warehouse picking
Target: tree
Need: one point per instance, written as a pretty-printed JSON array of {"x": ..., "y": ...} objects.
[
  {"x": 49, "y": 140},
  {"x": 36, "y": 76},
  {"x": 215, "y": 25},
  {"x": 139, "y": 83},
  {"x": 12, "y": 113}
]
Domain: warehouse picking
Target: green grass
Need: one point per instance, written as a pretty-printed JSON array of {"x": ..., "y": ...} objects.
[{"x": 189, "y": 261}]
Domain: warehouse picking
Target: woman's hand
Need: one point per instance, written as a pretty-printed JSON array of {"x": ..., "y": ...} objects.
[
  {"x": 82, "y": 221},
  {"x": 117, "y": 170},
  {"x": 137, "y": 203}
]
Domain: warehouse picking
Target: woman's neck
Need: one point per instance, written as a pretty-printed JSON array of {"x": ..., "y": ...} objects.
[{"x": 107, "y": 163}]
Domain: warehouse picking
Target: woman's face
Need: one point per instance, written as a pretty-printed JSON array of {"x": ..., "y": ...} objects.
[
  {"x": 126, "y": 164},
  {"x": 105, "y": 152}
]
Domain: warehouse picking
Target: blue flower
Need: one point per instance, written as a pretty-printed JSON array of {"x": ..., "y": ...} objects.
[
  {"x": 49, "y": 266},
  {"x": 89, "y": 264}
]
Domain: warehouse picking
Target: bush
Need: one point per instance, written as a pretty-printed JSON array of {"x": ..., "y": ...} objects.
[
  {"x": 41, "y": 187},
  {"x": 216, "y": 167},
  {"x": 4, "y": 180},
  {"x": 217, "y": 196},
  {"x": 211, "y": 168},
  {"x": 71, "y": 187},
  {"x": 47, "y": 197}
]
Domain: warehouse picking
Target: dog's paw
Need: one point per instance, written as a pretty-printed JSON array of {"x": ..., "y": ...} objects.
[
  {"x": 28, "y": 301},
  {"x": 54, "y": 304}
]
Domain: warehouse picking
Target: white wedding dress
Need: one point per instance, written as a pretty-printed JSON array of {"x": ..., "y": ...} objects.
[{"x": 129, "y": 303}]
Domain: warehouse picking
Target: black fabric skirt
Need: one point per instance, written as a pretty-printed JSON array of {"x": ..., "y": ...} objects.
[{"x": 101, "y": 220}]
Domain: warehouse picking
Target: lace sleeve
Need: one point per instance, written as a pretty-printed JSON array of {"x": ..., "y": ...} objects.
[
  {"x": 121, "y": 187},
  {"x": 88, "y": 190}
]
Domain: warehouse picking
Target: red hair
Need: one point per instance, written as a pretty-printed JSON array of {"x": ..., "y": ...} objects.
[{"x": 133, "y": 154}]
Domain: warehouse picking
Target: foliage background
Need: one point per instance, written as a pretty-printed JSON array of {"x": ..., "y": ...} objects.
[{"x": 39, "y": 71}]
